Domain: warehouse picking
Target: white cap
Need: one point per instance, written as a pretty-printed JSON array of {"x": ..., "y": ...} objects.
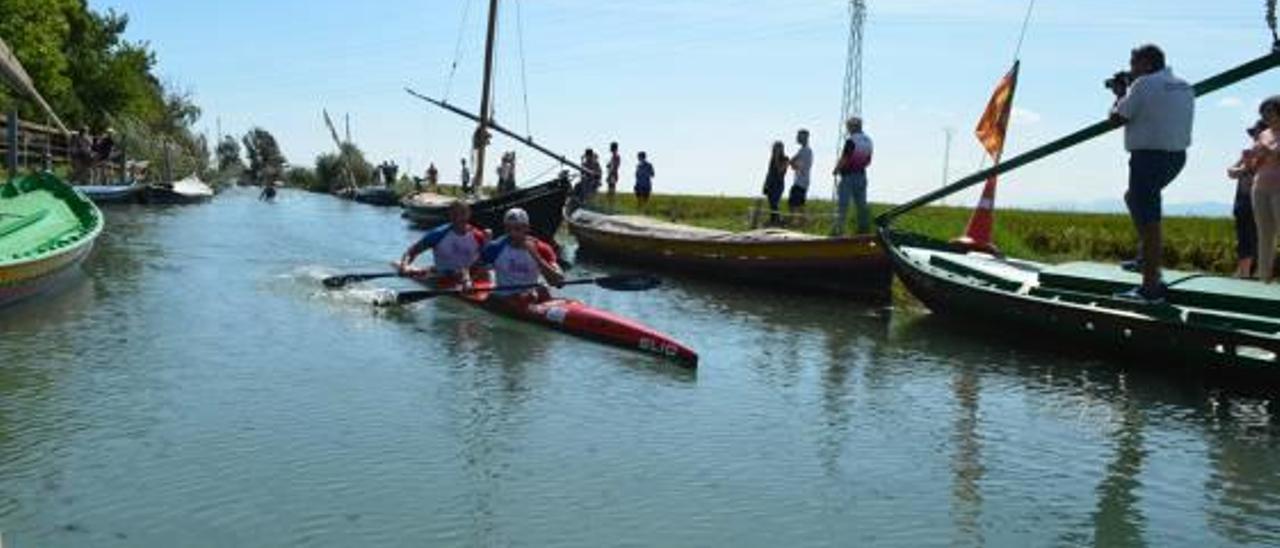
[{"x": 517, "y": 216}]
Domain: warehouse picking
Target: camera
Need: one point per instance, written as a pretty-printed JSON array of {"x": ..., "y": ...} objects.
[{"x": 1119, "y": 82}]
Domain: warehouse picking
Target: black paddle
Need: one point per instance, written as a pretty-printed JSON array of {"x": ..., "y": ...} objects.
[
  {"x": 338, "y": 282},
  {"x": 621, "y": 282}
]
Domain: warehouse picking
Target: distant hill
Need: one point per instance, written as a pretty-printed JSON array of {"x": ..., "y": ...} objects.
[{"x": 1191, "y": 209}]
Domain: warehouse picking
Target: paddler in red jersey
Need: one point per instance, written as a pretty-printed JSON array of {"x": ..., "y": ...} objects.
[
  {"x": 521, "y": 259},
  {"x": 455, "y": 247}
]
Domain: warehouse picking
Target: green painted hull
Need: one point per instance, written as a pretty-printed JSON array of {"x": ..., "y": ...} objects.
[
  {"x": 1221, "y": 327},
  {"x": 46, "y": 229}
]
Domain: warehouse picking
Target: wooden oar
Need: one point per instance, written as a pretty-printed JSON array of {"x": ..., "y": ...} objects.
[{"x": 623, "y": 282}]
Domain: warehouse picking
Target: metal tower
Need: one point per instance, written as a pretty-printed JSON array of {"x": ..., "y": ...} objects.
[{"x": 852, "y": 103}]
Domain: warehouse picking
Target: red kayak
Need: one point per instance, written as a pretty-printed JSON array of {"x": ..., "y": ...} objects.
[{"x": 577, "y": 318}]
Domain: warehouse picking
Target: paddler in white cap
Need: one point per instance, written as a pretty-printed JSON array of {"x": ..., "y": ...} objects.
[{"x": 521, "y": 259}]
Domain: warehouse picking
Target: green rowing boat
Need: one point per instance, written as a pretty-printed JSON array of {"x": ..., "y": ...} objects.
[
  {"x": 1222, "y": 326},
  {"x": 46, "y": 229}
]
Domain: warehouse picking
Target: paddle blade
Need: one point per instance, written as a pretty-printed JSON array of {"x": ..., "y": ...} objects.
[
  {"x": 636, "y": 282},
  {"x": 338, "y": 282}
]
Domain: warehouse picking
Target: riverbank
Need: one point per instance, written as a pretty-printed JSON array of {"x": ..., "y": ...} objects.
[{"x": 1192, "y": 243}]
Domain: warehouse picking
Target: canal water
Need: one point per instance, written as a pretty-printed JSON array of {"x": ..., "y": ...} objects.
[{"x": 196, "y": 387}]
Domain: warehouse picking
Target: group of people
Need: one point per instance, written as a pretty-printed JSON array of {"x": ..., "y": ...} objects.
[
  {"x": 92, "y": 157},
  {"x": 463, "y": 253},
  {"x": 506, "y": 172},
  {"x": 1257, "y": 203},
  {"x": 589, "y": 186},
  {"x": 851, "y": 169},
  {"x": 386, "y": 173}
]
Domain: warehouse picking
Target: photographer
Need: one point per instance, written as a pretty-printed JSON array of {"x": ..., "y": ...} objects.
[{"x": 1156, "y": 109}]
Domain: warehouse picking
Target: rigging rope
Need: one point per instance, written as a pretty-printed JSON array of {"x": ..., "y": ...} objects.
[
  {"x": 457, "y": 51},
  {"x": 524, "y": 78},
  {"x": 1026, "y": 22}
]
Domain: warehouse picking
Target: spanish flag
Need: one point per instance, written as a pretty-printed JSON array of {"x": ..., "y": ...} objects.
[{"x": 994, "y": 123}]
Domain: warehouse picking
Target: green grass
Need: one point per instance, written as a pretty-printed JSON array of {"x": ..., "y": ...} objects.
[{"x": 1191, "y": 243}]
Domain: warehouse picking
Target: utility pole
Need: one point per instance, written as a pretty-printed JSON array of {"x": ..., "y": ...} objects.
[{"x": 347, "y": 125}]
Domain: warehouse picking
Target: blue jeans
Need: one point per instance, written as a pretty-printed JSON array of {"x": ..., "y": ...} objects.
[{"x": 852, "y": 186}]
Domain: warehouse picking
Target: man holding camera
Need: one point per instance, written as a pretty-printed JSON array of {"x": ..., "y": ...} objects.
[{"x": 1156, "y": 109}]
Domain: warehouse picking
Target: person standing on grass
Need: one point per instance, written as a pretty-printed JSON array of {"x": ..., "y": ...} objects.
[
  {"x": 801, "y": 164},
  {"x": 775, "y": 180},
  {"x": 591, "y": 178},
  {"x": 644, "y": 180},
  {"x": 615, "y": 162},
  {"x": 855, "y": 157},
  {"x": 1266, "y": 187},
  {"x": 1246, "y": 227},
  {"x": 1157, "y": 110}
]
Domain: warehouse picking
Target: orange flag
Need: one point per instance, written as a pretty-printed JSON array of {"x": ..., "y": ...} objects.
[
  {"x": 994, "y": 123},
  {"x": 991, "y": 131}
]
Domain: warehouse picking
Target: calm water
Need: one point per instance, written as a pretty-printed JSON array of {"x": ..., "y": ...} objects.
[{"x": 196, "y": 388}]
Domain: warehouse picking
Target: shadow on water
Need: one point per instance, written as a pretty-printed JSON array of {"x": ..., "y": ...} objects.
[{"x": 1240, "y": 427}]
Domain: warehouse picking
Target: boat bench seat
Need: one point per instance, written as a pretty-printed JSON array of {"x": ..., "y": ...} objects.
[
  {"x": 1228, "y": 295},
  {"x": 21, "y": 222},
  {"x": 973, "y": 268},
  {"x": 1162, "y": 312},
  {"x": 1233, "y": 321},
  {"x": 1107, "y": 279}
]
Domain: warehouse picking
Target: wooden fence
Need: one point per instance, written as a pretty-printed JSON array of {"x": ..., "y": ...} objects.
[{"x": 38, "y": 146}]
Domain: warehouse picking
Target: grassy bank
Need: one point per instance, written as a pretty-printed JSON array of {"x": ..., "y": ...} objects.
[{"x": 1206, "y": 244}]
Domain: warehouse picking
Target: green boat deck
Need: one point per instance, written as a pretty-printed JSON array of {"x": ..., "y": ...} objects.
[{"x": 39, "y": 217}]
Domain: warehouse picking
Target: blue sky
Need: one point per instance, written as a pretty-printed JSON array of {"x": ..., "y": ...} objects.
[{"x": 705, "y": 86}]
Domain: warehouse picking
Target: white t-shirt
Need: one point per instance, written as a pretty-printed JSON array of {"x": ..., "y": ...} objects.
[
  {"x": 1160, "y": 109},
  {"x": 803, "y": 161}
]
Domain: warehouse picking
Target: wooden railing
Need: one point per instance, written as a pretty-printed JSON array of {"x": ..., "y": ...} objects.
[{"x": 38, "y": 146}]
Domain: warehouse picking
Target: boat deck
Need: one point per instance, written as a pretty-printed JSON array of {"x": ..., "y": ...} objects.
[{"x": 647, "y": 227}]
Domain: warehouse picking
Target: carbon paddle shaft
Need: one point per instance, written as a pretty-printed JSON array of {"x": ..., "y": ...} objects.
[{"x": 1204, "y": 87}]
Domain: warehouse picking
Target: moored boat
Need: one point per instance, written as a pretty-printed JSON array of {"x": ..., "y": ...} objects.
[
  {"x": 378, "y": 196},
  {"x": 112, "y": 194},
  {"x": 544, "y": 202},
  {"x": 778, "y": 258},
  {"x": 579, "y": 319},
  {"x": 190, "y": 190},
  {"x": 1224, "y": 326},
  {"x": 46, "y": 229}
]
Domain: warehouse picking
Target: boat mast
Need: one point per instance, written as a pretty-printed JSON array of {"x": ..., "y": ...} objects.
[{"x": 481, "y": 139}]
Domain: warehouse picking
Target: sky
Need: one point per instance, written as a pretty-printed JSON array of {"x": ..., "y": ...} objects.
[{"x": 706, "y": 86}]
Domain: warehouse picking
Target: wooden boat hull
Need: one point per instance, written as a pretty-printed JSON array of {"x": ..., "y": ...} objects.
[
  {"x": 112, "y": 194},
  {"x": 544, "y": 202},
  {"x": 46, "y": 230},
  {"x": 384, "y": 197},
  {"x": 581, "y": 320},
  {"x": 1187, "y": 334},
  {"x": 854, "y": 266}
]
